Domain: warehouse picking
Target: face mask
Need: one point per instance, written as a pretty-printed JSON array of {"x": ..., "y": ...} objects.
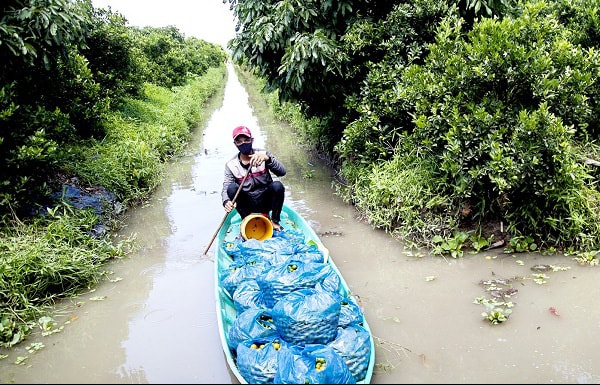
[{"x": 245, "y": 148}]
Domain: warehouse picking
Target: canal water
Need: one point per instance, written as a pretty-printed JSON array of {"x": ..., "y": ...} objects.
[{"x": 153, "y": 320}]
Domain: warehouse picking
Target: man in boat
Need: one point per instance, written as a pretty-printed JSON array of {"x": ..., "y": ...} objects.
[{"x": 249, "y": 171}]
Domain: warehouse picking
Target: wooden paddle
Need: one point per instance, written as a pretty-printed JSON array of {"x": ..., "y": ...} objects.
[{"x": 225, "y": 216}]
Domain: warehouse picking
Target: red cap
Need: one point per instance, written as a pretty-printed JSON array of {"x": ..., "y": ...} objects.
[{"x": 241, "y": 130}]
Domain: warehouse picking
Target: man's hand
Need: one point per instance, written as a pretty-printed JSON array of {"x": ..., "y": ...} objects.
[
  {"x": 258, "y": 159},
  {"x": 229, "y": 206}
]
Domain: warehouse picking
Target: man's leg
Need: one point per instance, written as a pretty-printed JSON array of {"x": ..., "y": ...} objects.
[{"x": 277, "y": 192}]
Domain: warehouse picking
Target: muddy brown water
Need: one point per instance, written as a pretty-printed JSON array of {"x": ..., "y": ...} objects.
[{"x": 154, "y": 320}]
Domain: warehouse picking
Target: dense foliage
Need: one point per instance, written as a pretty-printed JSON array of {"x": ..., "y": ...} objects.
[
  {"x": 85, "y": 108},
  {"x": 446, "y": 117},
  {"x": 64, "y": 66}
]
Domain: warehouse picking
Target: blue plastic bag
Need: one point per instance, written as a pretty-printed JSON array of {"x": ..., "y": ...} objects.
[
  {"x": 248, "y": 296},
  {"x": 311, "y": 364},
  {"x": 353, "y": 344},
  {"x": 241, "y": 270},
  {"x": 293, "y": 274},
  {"x": 278, "y": 249},
  {"x": 350, "y": 312},
  {"x": 257, "y": 359},
  {"x": 307, "y": 316},
  {"x": 252, "y": 323},
  {"x": 307, "y": 252},
  {"x": 256, "y": 250}
]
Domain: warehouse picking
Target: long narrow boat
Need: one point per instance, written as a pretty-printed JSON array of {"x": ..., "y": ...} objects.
[{"x": 291, "y": 331}]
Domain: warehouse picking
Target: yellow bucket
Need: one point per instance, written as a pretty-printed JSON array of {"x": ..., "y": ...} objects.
[{"x": 256, "y": 226}]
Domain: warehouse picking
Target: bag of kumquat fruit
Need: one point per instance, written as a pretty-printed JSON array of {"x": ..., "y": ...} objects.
[
  {"x": 307, "y": 316},
  {"x": 252, "y": 323},
  {"x": 257, "y": 359},
  {"x": 311, "y": 364}
]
